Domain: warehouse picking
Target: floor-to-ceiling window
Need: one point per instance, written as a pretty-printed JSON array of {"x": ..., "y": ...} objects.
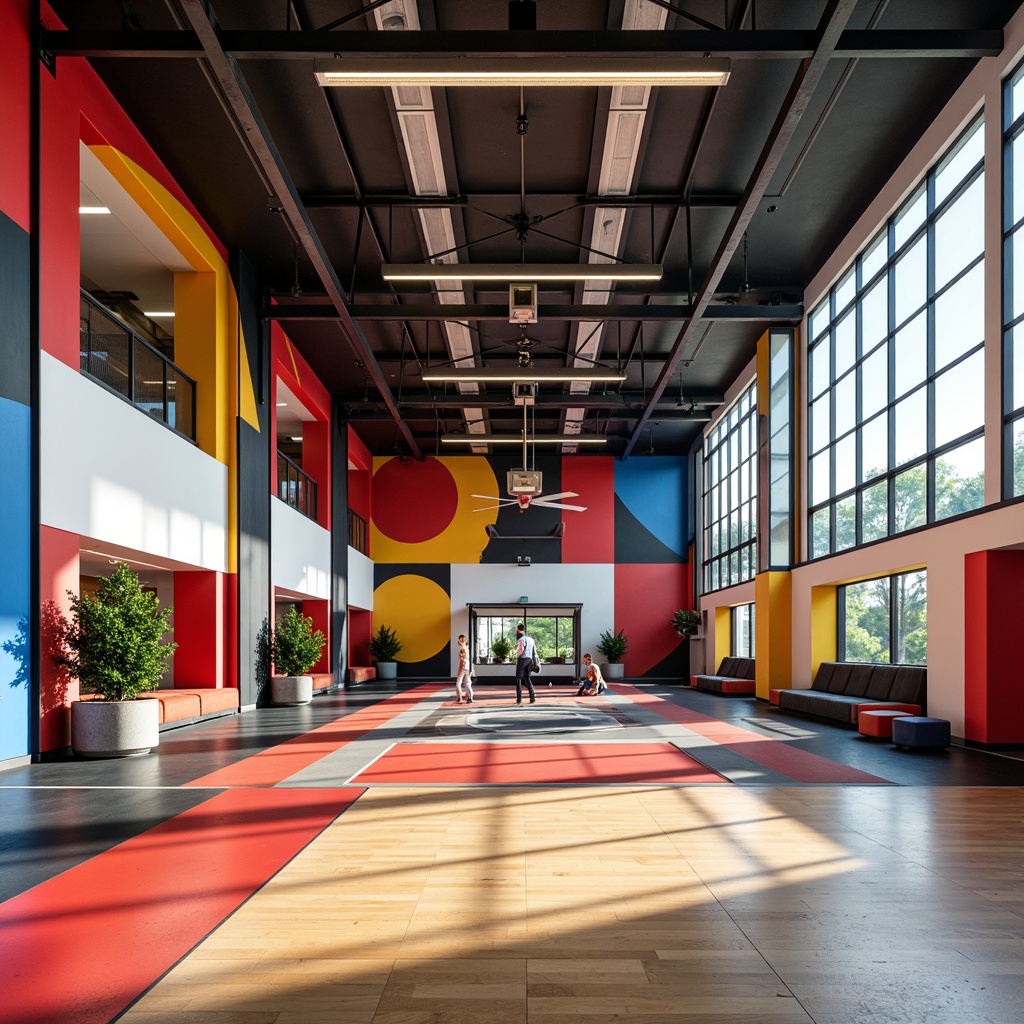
[
  {"x": 1013, "y": 283},
  {"x": 730, "y": 496},
  {"x": 896, "y": 362}
]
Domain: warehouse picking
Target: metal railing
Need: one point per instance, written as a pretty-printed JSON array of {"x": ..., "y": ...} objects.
[
  {"x": 116, "y": 357},
  {"x": 295, "y": 488},
  {"x": 358, "y": 534}
]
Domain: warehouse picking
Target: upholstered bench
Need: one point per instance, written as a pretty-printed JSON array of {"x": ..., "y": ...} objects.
[
  {"x": 914, "y": 732},
  {"x": 181, "y": 707},
  {"x": 361, "y": 673},
  {"x": 878, "y": 722},
  {"x": 735, "y": 675}
]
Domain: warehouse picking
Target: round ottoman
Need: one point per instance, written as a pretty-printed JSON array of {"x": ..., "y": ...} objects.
[
  {"x": 879, "y": 723},
  {"x": 915, "y": 732}
]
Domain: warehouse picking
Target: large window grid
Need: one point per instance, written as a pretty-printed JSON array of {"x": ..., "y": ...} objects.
[
  {"x": 730, "y": 496},
  {"x": 896, "y": 368},
  {"x": 1013, "y": 284},
  {"x": 885, "y": 620}
]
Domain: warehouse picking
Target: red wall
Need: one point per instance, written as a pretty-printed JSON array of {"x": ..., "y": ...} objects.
[
  {"x": 14, "y": 43},
  {"x": 589, "y": 536},
  {"x": 199, "y": 629},
  {"x": 59, "y": 572},
  {"x": 993, "y": 680}
]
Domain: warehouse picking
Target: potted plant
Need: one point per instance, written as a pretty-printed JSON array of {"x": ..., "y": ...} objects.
[
  {"x": 384, "y": 645},
  {"x": 685, "y": 623},
  {"x": 501, "y": 648},
  {"x": 613, "y": 646},
  {"x": 114, "y": 645},
  {"x": 294, "y": 649}
]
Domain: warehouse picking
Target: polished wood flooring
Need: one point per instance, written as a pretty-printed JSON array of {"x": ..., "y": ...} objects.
[{"x": 646, "y": 905}]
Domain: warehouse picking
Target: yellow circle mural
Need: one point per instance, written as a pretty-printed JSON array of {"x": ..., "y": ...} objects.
[
  {"x": 462, "y": 534},
  {"x": 419, "y": 611}
]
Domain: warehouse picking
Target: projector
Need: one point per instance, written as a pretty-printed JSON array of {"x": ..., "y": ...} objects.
[
  {"x": 523, "y": 560},
  {"x": 522, "y": 303},
  {"x": 524, "y": 481}
]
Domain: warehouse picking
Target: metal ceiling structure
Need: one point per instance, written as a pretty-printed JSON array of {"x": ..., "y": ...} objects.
[{"x": 739, "y": 192}]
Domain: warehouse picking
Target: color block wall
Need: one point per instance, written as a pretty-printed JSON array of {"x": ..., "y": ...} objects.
[{"x": 623, "y": 558}]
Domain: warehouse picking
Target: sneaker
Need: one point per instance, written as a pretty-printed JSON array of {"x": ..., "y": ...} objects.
[
  {"x": 520, "y": 700},
  {"x": 533, "y": 700},
  {"x": 470, "y": 701}
]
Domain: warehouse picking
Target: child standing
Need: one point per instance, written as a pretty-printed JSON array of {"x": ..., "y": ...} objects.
[{"x": 464, "y": 679}]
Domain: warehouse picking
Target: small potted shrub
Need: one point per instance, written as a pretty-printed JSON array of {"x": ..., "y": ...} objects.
[
  {"x": 384, "y": 645},
  {"x": 114, "y": 645},
  {"x": 294, "y": 649},
  {"x": 685, "y": 623},
  {"x": 501, "y": 648},
  {"x": 613, "y": 646}
]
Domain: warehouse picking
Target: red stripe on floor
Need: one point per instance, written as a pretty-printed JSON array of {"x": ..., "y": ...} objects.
[
  {"x": 277, "y": 763},
  {"x": 507, "y": 764},
  {"x": 799, "y": 765},
  {"x": 80, "y": 947}
]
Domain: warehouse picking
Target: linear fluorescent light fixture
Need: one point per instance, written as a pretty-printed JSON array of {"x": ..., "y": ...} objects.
[
  {"x": 503, "y": 69},
  {"x": 518, "y": 439},
  {"x": 156, "y": 313},
  {"x": 93, "y": 209},
  {"x": 514, "y": 375},
  {"x": 507, "y": 272}
]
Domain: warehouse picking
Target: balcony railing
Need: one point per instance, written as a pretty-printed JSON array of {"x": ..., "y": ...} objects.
[
  {"x": 295, "y": 488},
  {"x": 116, "y": 357},
  {"x": 358, "y": 535}
]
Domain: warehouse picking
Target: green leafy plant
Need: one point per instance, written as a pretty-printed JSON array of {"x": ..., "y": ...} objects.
[
  {"x": 502, "y": 647},
  {"x": 685, "y": 622},
  {"x": 113, "y": 642},
  {"x": 613, "y": 645},
  {"x": 295, "y": 648},
  {"x": 384, "y": 644}
]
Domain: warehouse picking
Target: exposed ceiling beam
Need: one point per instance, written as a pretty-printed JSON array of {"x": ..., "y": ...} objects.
[
  {"x": 240, "y": 101},
  {"x": 783, "y": 44},
  {"x": 830, "y": 29},
  {"x": 619, "y": 401},
  {"x": 783, "y": 313}
]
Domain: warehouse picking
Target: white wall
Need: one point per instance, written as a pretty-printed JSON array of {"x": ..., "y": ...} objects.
[
  {"x": 590, "y": 585},
  {"x": 360, "y": 580},
  {"x": 300, "y": 553},
  {"x": 110, "y": 473}
]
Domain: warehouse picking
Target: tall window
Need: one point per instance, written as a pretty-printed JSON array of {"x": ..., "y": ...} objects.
[
  {"x": 730, "y": 496},
  {"x": 743, "y": 631},
  {"x": 1013, "y": 284},
  {"x": 896, "y": 368},
  {"x": 885, "y": 620}
]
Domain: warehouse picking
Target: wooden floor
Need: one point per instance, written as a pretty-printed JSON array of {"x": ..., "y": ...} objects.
[{"x": 837, "y": 905}]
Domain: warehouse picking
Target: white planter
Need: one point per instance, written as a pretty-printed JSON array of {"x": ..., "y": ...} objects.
[
  {"x": 612, "y": 669},
  {"x": 123, "y": 728},
  {"x": 387, "y": 669},
  {"x": 288, "y": 690}
]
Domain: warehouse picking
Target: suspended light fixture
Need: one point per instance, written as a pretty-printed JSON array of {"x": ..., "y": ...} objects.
[
  {"x": 514, "y": 374},
  {"x": 521, "y": 272},
  {"x": 507, "y": 70}
]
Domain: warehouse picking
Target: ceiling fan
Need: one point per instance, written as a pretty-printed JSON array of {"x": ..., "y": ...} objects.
[{"x": 525, "y": 485}]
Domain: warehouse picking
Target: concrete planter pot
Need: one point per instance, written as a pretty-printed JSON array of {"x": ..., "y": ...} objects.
[
  {"x": 291, "y": 690},
  {"x": 124, "y": 728},
  {"x": 613, "y": 669},
  {"x": 387, "y": 669}
]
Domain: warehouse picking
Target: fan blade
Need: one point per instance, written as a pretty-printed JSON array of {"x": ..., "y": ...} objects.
[
  {"x": 489, "y": 508},
  {"x": 556, "y": 497},
  {"x": 555, "y": 504}
]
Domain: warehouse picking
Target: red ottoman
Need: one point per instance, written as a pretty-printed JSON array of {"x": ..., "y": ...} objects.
[{"x": 878, "y": 723}]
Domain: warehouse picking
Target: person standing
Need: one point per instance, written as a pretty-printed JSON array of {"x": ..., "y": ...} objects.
[
  {"x": 464, "y": 678},
  {"x": 526, "y": 651}
]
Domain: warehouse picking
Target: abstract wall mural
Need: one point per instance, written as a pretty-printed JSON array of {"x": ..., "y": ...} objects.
[{"x": 428, "y": 516}]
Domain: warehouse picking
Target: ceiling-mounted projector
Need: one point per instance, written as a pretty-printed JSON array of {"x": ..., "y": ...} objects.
[{"x": 525, "y": 481}]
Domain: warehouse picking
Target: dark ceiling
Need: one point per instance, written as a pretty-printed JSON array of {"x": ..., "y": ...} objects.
[{"x": 739, "y": 192}]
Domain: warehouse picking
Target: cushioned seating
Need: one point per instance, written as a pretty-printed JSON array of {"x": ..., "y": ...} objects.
[
  {"x": 917, "y": 732},
  {"x": 361, "y": 673},
  {"x": 180, "y": 707},
  {"x": 322, "y": 680},
  {"x": 878, "y": 722},
  {"x": 735, "y": 675},
  {"x": 841, "y": 689}
]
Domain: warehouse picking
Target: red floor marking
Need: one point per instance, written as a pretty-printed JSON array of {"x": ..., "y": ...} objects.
[
  {"x": 80, "y": 947},
  {"x": 508, "y": 764},
  {"x": 277, "y": 763},
  {"x": 799, "y": 765}
]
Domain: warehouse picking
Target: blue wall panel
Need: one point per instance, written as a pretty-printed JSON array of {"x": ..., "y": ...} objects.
[{"x": 15, "y": 538}]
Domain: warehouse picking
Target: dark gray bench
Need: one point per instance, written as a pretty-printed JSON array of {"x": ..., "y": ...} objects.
[
  {"x": 735, "y": 675},
  {"x": 841, "y": 690}
]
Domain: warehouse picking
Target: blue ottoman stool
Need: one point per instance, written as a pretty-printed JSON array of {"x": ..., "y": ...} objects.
[{"x": 914, "y": 732}]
